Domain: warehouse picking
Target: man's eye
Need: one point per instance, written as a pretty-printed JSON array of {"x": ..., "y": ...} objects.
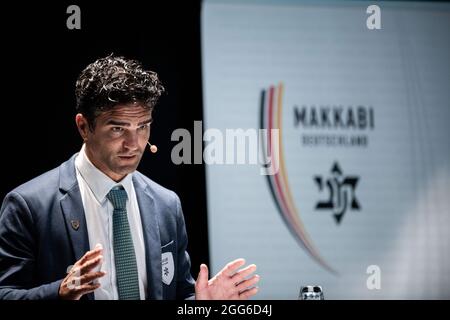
[
  {"x": 145, "y": 126},
  {"x": 117, "y": 129}
]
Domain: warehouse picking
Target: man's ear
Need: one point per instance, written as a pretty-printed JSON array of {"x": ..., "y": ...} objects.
[{"x": 82, "y": 125}]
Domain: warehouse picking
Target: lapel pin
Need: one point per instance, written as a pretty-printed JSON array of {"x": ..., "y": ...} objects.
[{"x": 75, "y": 224}]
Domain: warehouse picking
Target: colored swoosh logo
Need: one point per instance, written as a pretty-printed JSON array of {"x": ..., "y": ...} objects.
[{"x": 271, "y": 105}]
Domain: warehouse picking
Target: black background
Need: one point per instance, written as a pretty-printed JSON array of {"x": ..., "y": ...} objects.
[{"x": 41, "y": 59}]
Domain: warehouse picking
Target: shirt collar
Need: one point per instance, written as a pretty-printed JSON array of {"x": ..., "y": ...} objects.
[{"x": 99, "y": 183}]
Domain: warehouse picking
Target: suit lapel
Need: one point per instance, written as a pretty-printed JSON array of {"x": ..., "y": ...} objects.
[
  {"x": 73, "y": 211},
  {"x": 72, "y": 208},
  {"x": 152, "y": 238}
]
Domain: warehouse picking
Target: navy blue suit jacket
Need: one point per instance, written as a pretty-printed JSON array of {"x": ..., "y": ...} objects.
[{"x": 38, "y": 240}]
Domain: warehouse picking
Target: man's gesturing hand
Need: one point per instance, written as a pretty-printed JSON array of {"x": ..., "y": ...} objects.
[
  {"x": 78, "y": 281},
  {"x": 229, "y": 284}
]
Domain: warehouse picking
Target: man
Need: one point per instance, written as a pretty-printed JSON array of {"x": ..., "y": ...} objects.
[{"x": 95, "y": 227}]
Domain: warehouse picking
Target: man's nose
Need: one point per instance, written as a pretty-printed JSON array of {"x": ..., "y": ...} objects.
[{"x": 131, "y": 139}]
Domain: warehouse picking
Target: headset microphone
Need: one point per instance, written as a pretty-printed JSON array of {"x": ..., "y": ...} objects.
[{"x": 153, "y": 148}]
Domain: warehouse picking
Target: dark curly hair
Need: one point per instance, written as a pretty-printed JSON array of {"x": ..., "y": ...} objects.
[{"x": 115, "y": 80}]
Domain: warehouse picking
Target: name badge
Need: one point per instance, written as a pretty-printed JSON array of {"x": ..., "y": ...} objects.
[{"x": 168, "y": 267}]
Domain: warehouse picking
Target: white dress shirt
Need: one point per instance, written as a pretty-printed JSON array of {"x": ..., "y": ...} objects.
[{"x": 94, "y": 186}]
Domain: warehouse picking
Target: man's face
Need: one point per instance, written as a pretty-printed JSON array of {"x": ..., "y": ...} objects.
[{"x": 119, "y": 139}]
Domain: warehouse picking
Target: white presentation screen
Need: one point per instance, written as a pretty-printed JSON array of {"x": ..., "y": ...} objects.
[{"x": 359, "y": 100}]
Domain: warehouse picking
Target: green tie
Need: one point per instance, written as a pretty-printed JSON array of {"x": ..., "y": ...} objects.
[{"x": 124, "y": 256}]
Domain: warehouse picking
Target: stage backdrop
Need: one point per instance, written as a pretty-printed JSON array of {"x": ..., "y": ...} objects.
[{"x": 361, "y": 201}]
